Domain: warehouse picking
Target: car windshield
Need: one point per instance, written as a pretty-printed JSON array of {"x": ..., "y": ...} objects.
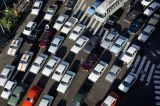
[
  {"x": 49, "y": 12},
  {"x": 125, "y": 83},
  {"x": 28, "y": 28},
  {"x": 14, "y": 95},
  {"x": 151, "y": 9},
  {"x": 57, "y": 73},
  {"x": 78, "y": 45},
  {"x": 23, "y": 61},
  {"x": 92, "y": 7},
  {"x": 100, "y": 15},
  {"x": 117, "y": 45},
  {"x": 59, "y": 22},
  {"x": 53, "y": 44},
  {"x": 107, "y": 40},
  {"x": 64, "y": 83},
  {"x": 36, "y": 64},
  {"x": 49, "y": 67},
  {"x": 2, "y": 76},
  {"x": 96, "y": 72},
  {"x": 129, "y": 54},
  {"x": 145, "y": 33},
  {"x": 29, "y": 99},
  {"x": 35, "y": 7},
  {"x": 111, "y": 73},
  {"x": 6, "y": 90},
  {"x": 14, "y": 47},
  {"x": 67, "y": 26},
  {"x": 75, "y": 32}
]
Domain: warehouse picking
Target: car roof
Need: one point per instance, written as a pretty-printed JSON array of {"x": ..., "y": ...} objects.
[
  {"x": 114, "y": 69},
  {"x": 17, "y": 90},
  {"x": 37, "y": 3},
  {"x": 39, "y": 59},
  {"x": 131, "y": 49},
  {"x": 30, "y": 23},
  {"x": 15, "y": 42},
  {"x": 110, "y": 36},
  {"x": 25, "y": 56},
  {"x": 80, "y": 41},
  {"x": 148, "y": 28},
  {"x": 5, "y": 71},
  {"x": 119, "y": 41},
  {"x": 61, "y": 67},
  {"x": 66, "y": 78},
  {"x": 77, "y": 28},
  {"x": 9, "y": 84},
  {"x": 56, "y": 40},
  {"x": 52, "y": 62},
  {"x": 31, "y": 93},
  {"x": 44, "y": 102},
  {"x": 61, "y": 18},
  {"x": 130, "y": 78},
  {"x": 109, "y": 100},
  {"x": 99, "y": 67}
]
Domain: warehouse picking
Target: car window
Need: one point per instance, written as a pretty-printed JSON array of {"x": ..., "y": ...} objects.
[
  {"x": 30, "y": 99},
  {"x": 58, "y": 73},
  {"x": 6, "y": 90}
]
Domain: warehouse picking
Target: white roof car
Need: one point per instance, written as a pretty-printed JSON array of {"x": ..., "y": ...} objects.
[
  {"x": 38, "y": 63},
  {"x": 97, "y": 71},
  {"x": 118, "y": 45},
  {"x": 60, "y": 71},
  {"x": 112, "y": 74},
  {"x": 127, "y": 82},
  {"x": 151, "y": 9},
  {"x": 65, "y": 82},
  {"x": 108, "y": 40},
  {"x": 69, "y": 25},
  {"x": 25, "y": 61},
  {"x": 146, "y": 2},
  {"x": 77, "y": 31},
  {"x": 8, "y": 89},
  {"x": 51, "y": 65},
  {"x": 155, "y": 18},
  {"x": 36, "y": 7},
  {"x": 50, "y": 12},
  {"x": 60, "y": 21},
  {"x": 46, "y": 100},
  {"x": 29, "y": 28},
  {"x": 56, "y": 43},
  {"x": 6, "y": 74},
  {"x": 146, "y": 33},
  {"x": 129, "y": 55},
  {"x": 80, "y": 43},
  {"x": 14, "y": 46}
]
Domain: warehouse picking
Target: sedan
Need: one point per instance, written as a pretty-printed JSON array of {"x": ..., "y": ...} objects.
[
  {"x": 29, "y": 28},
  {"x": 155, "y": 18},
  {"x": 36, "y": 7},
  {"x": 80, "y": 43},
  {"x": 65, "y": 82},
  {"x": 70, "y": 4},
  {"x": 38, "y": 63},
  {"x": 98, "y": 71},
  {"x": 46, "y": 100},
  {"x": 56, "y": 43},
  {"x": 51, "y": 10},
  {"x": 14, "y": 46}
]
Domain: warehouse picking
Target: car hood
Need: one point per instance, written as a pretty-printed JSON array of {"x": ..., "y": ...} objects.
[
  {"x": 65, "y": 30},
  {"x": 57, "y": 26},
  {"x": 126, "y": 58},
  {"x": 47, "y": 72},
  {"x": 62, "y": 88},
  {"x": 22, "y": 67},
  {"x": 93, "y": 77},
  {"x": 90, "y": 11},
  {"x": 13, "y": 101},
  {"x": 105, "y": 44},
  {"x": 47, "y": 17},
  {"x": 142, "y": 37},
  {"x": 115, "y": 49},
  {"x": 5, "y": 95},
  {"x": 123, "y": 88},
  {"x": 3, "y": 81},
  {"x": 52, "y": 49},
  {"x": 34, "y": 69},
  {"x": 26, "y": 32},
  {"x": 73, "y": 36}
]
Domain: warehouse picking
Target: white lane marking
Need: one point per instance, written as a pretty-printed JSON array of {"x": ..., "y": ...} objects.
[
  {"x": 157, "y": 97},
  {"x": 157, "y": 92},
  {"x": 156, "y": 76},
  {"x": 156, "y": 82},
  {"x": 78, "y": 6},
  {"x": 80, "y": 13},
  {"x": 157, "y": 87},
  {"x": 158, "y": 52},
  {"x": 83, "y": 16},
  {"x": 157, "y": 103},
  {"x": 98, "y": 26},
  {"x": 145, "y": 70},
  {"x": 136, "y": 63},
  {"x": 90, "y": 22},
  {"x": 150, "y": 74},
  {"x": 93, "y": 25},
  {"x": 141, "y": 65},
  {"x": 157, "y": 72},
  {"x": 153, "y": 53},
  {"x": 84, "y": 22}
]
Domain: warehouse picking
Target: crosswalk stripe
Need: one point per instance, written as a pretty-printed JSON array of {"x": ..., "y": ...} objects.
[
  {"x": 100, "y": 32},
  {"x": 84, "y": 22},
  {"x": 98, "y": 26},
  {"x": 93, "y": 25},
  {"x": 157, "y": 92},
  {"x": 157, "y": 81},
  {"x": 141, "y": 65},
  {"x": 136, "y": 63},
  {"x": 150, "y": 73},
  {"x": 83, "y": 8},
  {"x": 157, "y": 72},
  {"x": 145, "y": 70},
  {"x": 157, "y": 87},
  {"x": 90, "y": 22},
  {"x": 83, "y": 16},
  {"x": 79, "y": 6},
  {"x": 156, "y": 76},
  {"x": 157, "y": 97}
]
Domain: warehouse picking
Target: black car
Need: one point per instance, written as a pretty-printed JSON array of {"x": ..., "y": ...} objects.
[
  {"x": 33, "y": 37},
  {"x": 70, "y": 4}
]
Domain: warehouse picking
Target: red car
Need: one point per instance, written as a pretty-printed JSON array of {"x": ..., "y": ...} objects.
[{"x": 32, "y": 96}]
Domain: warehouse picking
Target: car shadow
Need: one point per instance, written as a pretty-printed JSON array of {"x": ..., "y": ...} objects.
[
  {"x": 75, "y": 66},
  {"x": 29, "y": 78},
  {"x": 53, "y": 92},
  {"x": 61, "y": 51},
  {"x": 42, "y": 81},
  {"x": 62, "y": 103},
  {"x": 70, "y": 57},
  {"x": 106, "y": 56}
]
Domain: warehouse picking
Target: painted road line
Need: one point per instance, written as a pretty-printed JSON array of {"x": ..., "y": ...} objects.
[
  {"x": 145, "y": 70},
  {"x": 136, "y": 63},
  {"x": 79, "y": 6},
  {"x": 83, "y": 16},
  {"x": 157, "y": 87},
  {"x": 85, "y": 21},
  {"x": 157, "y": 97},
  {"x": 81, "y": 11},
  {"x": 93, "y": 25},
  {"x": 156, "y": 81},
  {"x": 157, "y": 103},
  {"x": 100, "y": 32},
  {"x": 98, "y": 26},
  {"x": 157, "y": 72},
  {"x": 90, "y": 22},
  {"x": 157, "y": 92},
  {"x": 141, "y": 65},
  {"x": 150, "y": 74},
  {"x": 156, "y": 76},
  {"x": 153, "y": 53}
]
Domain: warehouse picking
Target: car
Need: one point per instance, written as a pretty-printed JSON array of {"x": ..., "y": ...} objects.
[
  {"x": 109, "y": 39},
  {"x": 97, "y": 71},
  {"x": 36, "y": 7},
  {"x": 135, "y": 26},
  {"x": 91, "y": 9},
  {"x": 60, "y": 70},
  {"x": 55, "y": 44},
  {"x": 8, "y": 89},
  {"x": 29, "y": 28},
  {"x": 151, "y": 9},
  {"x": 32, "y": 96},
  {"x": 38, "y": 63},
  {"x": 72, "y": 21},
  {"x": 25, "y": 61},
  {"x": 51, "y": 11},
  {"x": 46, "y": 36},
  {"x": 93, "y": 42},
  {"x": 127, "y": 83},
  {"x": 65, "y": 82},
  {"x": 118, "y": 45},
  {"x": 77, "y": 31},
  {"x": 146, "y": 2},
  {"x": 129, "y": 55},
  {"x": 111, "y": 99},
  {"x": 155, "y": 18},
  {"x": 112, "y": 74},
  {"x": 80, "y": 43},
  {"x": 6, "y": 74},
  {"x": 70, "y": 4},
  {"x": 60, "y": 21},
  {"x": 46, "y": 100},
  {"x": 18, "y": 94},
  {"x": 51, "y": 66},
  {"x": 146, "y": 33},
  {"x": 14, "y": 46},
  {"x": 33, "y": 37}
]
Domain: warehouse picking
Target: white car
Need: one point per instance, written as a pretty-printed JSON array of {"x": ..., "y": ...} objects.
[
  {"x": 38, "y": 63},
  {"x": 127, "y": 82},
  {"x": 97, "y": 71},
  {"x": 155, "y": 18},
  {"x": 108, "y": 40},
  {"x": 60, "y": 71},
  {"x": 8, "y": 89},
  {"x": 146, "y": 33},
  {"x": 65, "y": 82},
  {"x": 112, "y": 74},
  {"x": 77, "y": 31},
  {"x": 69, "y": 25},
  {"x": 146, "y": 2},
  {"x": 129, "y": 55},
  {"x": 46, "y": 100},
  {"x": 51, "y": 65},
  {"x": 50, "y": 12},
  {"x": 118, "y": 45},
  {"x": 36, "y": 7},
  {"x": 151, "y": 9},
  {"x": 25, "y": 61},
  {"x": 29, "y": 28},
  {"x": 56, "y": 43},
  {"x": 14, "y": 46},
  {"x": 6, "y": 74},
  {"x": 60, "y": 21},
  {"x": 80, "y": 43}
]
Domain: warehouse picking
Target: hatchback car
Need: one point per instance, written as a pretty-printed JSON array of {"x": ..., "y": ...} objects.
[
  {"x": 38, "y": 63},
  {"x": 14, "y": 46},
  {"x": 46, "y": 100},
  {"x": 51, "y": 11},
  {"x": 65, "y": 82},
  {"x": 36, "y": 7},
  {"x": 29, "y": 28}
]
